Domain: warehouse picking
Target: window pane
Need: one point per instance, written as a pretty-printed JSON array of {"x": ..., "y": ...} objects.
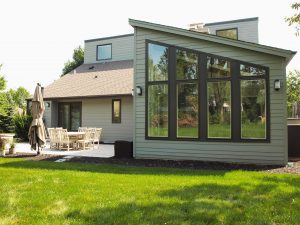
[
  {"x": 187, "y": 110},
  {"x": 230, "y": 33},
  {"x": 104, "y": 52},
  {"x": 218, "y": 68},
  {"x": 219, "y": 109},
  {"x": 158, "y": 110},
  {"x": 186, "y": 65},
  {"x": 157, "y": 62},
  {"x": 253, "y": 109},
  {"x": 116, "y": 111},
  {"x": 251, "y": 71}
]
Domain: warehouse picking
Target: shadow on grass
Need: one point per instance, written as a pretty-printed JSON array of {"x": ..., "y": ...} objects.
[
  {"x": 107, "y": 168},
  {"x": 200, "y": 204}
]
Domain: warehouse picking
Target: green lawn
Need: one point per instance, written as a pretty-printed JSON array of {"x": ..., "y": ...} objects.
[{"x": 36, "y": 192}]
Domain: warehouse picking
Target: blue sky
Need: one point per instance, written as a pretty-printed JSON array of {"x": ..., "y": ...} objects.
[{"x": 38, "y": 37}]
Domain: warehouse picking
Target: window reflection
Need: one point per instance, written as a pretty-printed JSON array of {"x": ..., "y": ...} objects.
[
  {"x": 218, "y": 68},
  {"x": 158, "y": 110},
  {"x": 219, "y": 109},
  {"x": 253, "y": 109},
  {"x": 157, "y": 62},
  {"x": 186, "y": 65},
  {"x": 187, "y": 110},
  {"x": 251, "y": 71}
]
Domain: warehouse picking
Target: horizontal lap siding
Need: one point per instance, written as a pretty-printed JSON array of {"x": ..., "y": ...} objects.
[
  {"x": 270, "y": 153},
  {"x": 98, "y": 113},
  {"x": 122, "y": 49}
]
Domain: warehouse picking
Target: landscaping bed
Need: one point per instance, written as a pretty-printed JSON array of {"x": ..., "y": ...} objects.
[{"x": 293, "y": 168}]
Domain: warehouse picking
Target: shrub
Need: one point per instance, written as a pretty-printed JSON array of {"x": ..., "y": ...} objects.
[{"x": 22, "y": 124}]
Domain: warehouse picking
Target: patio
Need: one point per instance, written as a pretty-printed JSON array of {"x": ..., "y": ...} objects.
[{"x": 104, "y": 151}]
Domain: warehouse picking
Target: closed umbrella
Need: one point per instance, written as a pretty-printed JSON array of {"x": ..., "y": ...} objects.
[{"x": 37, "y": 133}]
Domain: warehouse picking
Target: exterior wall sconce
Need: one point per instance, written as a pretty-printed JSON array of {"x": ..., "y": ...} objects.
[
  {"x": 277, "y": 85},
  {"x": 139, "y": 90},
  {"x": 48, "y": 104}
]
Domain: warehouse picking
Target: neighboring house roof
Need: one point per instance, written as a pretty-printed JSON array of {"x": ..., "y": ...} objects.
[
  {"x": 287, "y": 54},
  {"x": 93, "y": 80}
]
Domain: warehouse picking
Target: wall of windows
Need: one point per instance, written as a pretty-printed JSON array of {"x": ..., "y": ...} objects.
[{"x": 199, "y": 96}]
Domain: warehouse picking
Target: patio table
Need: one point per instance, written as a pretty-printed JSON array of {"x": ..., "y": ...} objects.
[{"x": 75, "y": 135}]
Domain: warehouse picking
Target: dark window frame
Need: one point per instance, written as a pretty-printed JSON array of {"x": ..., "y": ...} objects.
[
  {"x": 233, "y": 28},
  {"x": 202, "y": 96},
  {"x": 59, "y": 119},
  {"x": 97, "y": 50},
  {"x": 113, "y": 109}
]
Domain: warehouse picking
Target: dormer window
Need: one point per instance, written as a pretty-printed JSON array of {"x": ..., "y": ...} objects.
[
  {"x": 231, "y": 33},
  {"x": 104, "y": 52}
]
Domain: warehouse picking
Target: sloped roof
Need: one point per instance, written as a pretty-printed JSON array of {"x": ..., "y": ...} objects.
[
  {"x": 287, "y": 54},
  {"x": 92, "y": 80}
]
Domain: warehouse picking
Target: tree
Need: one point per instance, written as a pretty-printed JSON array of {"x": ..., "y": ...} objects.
[
  {"x": 19, "y": 97},
  {"x": 293, "y": 90},
  {"x": 2, "y": 81},
  {"x": 295, "y": 19},
  {"x": 78, "y": 57}
]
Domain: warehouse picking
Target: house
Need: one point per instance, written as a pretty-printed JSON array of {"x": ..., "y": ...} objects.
[
  {"x": 97, "y": 93},
  {"x": 197, "y": 96}
]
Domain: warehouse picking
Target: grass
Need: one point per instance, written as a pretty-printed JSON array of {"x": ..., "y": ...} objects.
[
  {"x": 39, "y": 192},
  {"x": 251, "y": 130}
]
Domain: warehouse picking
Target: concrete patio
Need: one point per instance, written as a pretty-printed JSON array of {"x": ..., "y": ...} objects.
[{"x": 104, "y": 151}]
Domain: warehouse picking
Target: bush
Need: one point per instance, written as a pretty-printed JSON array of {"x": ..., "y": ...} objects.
[{"x": 22, "y": 124}]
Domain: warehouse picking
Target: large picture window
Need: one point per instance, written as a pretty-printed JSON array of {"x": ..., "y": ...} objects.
[
  {"x": 157, "y": 91},
  {"x": 253, "y": 102},
  {"x": 194, "y": 95}
]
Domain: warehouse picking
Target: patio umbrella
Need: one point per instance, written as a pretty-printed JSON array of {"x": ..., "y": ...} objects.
[{"x": 37, "y": 133}]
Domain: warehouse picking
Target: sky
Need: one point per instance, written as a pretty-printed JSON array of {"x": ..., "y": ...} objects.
[{"x": 38, "y": 36}]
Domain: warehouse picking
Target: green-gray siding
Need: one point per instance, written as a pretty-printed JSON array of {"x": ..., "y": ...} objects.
[
  {"x": 274, "y": 152},
  {"x": 97, "y": 112},
  {"x": 122, "y": 49}
]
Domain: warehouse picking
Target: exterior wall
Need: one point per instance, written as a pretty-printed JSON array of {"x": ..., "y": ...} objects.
[
  {"x": 47, "y": 114},
  {"x": 247, "y": 29},
  {"x": 98, "y": 113},
  {"x": 122, "y": 49},
  {"x": 274, "y": 152}
]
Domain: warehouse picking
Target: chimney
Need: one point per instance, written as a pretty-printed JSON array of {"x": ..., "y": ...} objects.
[{"x": 199, "y": 27}]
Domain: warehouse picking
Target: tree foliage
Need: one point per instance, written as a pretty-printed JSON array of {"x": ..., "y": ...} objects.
[
  {"x": 19, "y": 97},
  {"x": 78, "y": 57},
  {"x": 293, "y": 90},
  {"x": 295, "y": 19},
  {"x": 2, "y": 81}
]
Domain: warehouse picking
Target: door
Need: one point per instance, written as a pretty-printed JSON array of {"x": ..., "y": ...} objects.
[{"x": 69, "y": 115}]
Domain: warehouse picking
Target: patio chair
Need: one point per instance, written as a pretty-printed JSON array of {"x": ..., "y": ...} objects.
[
  {"x": 86, "y": 141},
  {"x": 54, "y": 138},
  {"x": 97, "y": 136},
  {"x": 82, "y": 129},
  {"x": 64, "y": 141}
]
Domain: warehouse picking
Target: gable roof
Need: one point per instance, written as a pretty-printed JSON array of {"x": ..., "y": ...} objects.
[
  {"x": 287, "y": 54},
  {"x": 94, "y": 80}
]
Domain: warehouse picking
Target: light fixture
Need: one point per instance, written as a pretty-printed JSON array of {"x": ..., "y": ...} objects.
[
  {"x": 48, "y": 104},
  {"x": 277, "y": 85},
  {"x": 139, "y": 90}
]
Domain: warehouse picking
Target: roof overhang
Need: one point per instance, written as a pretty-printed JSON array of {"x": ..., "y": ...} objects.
[{"x": 287, "y": 54}]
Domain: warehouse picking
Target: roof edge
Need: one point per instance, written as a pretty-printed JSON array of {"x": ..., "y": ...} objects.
[
  {"x": 107, "y": 38},
  {"x": 288, "y": 54},
  {"x": 232, "y": 21},
  {"x": 85, "y": 97}
]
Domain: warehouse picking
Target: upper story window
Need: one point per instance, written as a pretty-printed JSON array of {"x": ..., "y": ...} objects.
[
  {"x": 104, "y": 52},
  {"x": 231, "y": 33}
]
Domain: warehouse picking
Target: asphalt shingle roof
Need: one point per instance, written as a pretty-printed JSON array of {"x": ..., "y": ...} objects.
[{"x": 89, "y": 80}]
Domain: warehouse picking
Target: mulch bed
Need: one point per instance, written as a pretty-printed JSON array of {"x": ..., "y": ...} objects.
[{"x": 293, "y": 168}]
